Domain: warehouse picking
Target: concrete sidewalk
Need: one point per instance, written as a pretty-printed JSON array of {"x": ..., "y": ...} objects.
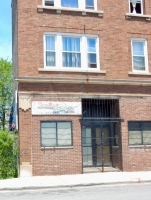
[{"x": 74, "y": 180}]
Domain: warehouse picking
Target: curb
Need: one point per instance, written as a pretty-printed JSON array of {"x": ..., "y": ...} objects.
[{"x": 135, "y": 181}]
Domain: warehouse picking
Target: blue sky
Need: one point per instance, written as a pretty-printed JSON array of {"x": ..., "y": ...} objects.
[{"x": 5, "y": 30}]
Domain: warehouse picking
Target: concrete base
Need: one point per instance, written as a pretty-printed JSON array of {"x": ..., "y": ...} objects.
[
  {"x": 99, "y": 169},
  {"x": 25, "y": 169}
]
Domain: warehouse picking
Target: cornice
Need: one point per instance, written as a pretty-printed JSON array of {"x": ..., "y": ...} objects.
[{"x": 83, "y": 81}]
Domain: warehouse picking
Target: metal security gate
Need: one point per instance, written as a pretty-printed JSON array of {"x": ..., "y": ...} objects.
[{"x": 101, "y": 133}]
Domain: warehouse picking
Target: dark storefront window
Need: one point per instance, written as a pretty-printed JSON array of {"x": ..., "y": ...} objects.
[
  {"x": 56, "y": 133},
  {"x": 139, "y": 133}
]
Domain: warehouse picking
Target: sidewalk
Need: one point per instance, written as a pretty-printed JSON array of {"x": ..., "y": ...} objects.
[{"x": 74, "y": 180}]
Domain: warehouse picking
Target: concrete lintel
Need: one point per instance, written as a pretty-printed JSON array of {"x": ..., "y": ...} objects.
[{"x": 84, "y": 95}]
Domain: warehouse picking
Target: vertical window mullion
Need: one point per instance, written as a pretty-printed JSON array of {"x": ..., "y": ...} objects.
[
  {"x": 58, "y": 50},
  {"x": 83, "y": 52},
  {"x": 81, "y": 4},
  {"x": 142, "y": 7}
]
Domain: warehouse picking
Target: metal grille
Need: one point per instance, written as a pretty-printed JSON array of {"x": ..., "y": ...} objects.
[
  {"x": 101, "y": 134},
  {"x": 100, "y": 108},
  {"x": 101, "y": 144}
]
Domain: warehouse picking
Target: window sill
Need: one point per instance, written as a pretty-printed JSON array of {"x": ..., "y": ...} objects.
[
  {"x": 71, "y": 70},
  {"x": 58, "y": 10},
  {"x": 130, "y": 15},
  {"x": 139, "y": 73},
  {"x": 65, "y": 147},
  {"x": 140, "y": 146}
]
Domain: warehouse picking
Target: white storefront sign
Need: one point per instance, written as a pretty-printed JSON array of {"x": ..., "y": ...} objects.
[{"x": 56, "y": 108}]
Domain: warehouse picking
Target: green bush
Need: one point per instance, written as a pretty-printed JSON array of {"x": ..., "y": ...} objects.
[{"x": 8, "y": 155}]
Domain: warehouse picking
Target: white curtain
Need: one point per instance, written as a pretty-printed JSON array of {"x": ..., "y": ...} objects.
[
  {"x": 50, "y": 50},
  {"x": 71, "y": 52}
]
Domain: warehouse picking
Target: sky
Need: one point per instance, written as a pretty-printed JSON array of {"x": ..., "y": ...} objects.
[{"x": 5, "y": 29}]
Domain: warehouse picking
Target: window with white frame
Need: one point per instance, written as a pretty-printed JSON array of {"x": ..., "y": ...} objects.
[
  {"x": 56, "y": 133},
  {"x": 136, "y": 6},
  {"x": 79, "y": 4},
  {"x": 64, "y": 51},
  {"x": 139, "y": 55}
]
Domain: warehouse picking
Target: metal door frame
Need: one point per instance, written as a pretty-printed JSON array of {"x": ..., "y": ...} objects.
[{"x": 93, "y": 126}]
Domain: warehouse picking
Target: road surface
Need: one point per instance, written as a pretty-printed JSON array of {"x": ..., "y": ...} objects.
[{"x": 114, "y": 192}]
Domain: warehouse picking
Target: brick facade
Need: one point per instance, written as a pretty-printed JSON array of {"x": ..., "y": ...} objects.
[
  {"x": 135, "y": 158},
  {"x": 133, "y": 89}
]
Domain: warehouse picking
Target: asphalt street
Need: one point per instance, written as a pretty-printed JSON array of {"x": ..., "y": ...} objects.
[{"x": 114, "y": 192}]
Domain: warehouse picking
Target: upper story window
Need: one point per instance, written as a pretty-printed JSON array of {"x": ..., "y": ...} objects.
[
  {"x": 71, "y": 55},
  {"x": 49, "y": 3},
  {"x": 69, "y": 3},
  {"x": 136, "y": 6},
  {"x": 79, "y": 4},
  {"x": 139, "y": 55},
  {"x": 64, "y": 51}
]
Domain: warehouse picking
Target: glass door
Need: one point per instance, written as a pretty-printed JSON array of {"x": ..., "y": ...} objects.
[
  {"x": 87, "y": 146},
  {"x": 102, "y": 146}
]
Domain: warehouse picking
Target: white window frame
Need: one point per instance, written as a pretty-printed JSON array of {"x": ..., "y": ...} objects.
[
  {"x": 142, "y": 8},
  {"x": 81, "y": 4},
  {"x": 145, "y": 54},
  {"x": 83, "y": 51}
]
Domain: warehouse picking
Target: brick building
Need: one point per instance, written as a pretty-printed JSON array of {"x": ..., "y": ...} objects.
[{"x": 82, "y": 69}]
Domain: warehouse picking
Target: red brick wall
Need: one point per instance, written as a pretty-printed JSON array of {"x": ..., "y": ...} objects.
[
  {"x": 52, "y": 161},
  {"x": 135, "y": 158},
  {"x": 84, "y": 88},
  {"x": 114, "y": 30},
  {"x": 69, "y": 160},
  {"x": 25, "y": 136}
]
